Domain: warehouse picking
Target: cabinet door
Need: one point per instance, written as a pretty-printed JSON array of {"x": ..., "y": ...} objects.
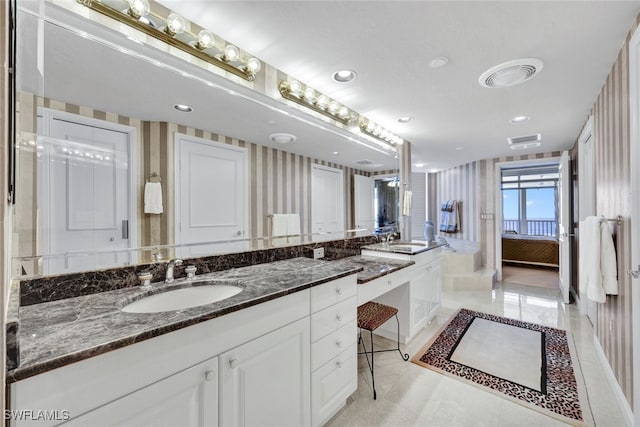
[
  {"x": 187, "y": 399},
  {"x": 434, "y": 279},
  {"x": 419, "y": 298},
  {"x": 266, "y": 382}
]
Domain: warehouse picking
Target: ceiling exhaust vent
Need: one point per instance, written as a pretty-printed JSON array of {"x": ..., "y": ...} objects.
[
  {"x": 524, "y": 142},
  {"x": 365, "y": 162},
  {"x": 511, "y": 73}
]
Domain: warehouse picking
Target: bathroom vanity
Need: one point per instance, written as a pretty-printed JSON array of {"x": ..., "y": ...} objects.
[{"x": 282, "y": 354}]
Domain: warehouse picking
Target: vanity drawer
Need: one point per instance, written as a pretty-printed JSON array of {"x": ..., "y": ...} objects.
[
  {"x": 332, "y": 293},
  {"x": 380, "y": 286},
  {"x": 332, "y": 384},
  {"x": 333, "y": 318},
  {"x": 330, "y": 346}
]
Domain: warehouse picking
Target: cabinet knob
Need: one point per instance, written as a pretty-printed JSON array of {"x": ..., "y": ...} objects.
[
  {"x": 338, "y": 317},
  {"x": 338, "y": 364},
  {"x": 338, "y": 291},
  {"x": 338, "y": 344},
  {"x": 233, "y": 363},
  {"x": 209, "y": 375}
]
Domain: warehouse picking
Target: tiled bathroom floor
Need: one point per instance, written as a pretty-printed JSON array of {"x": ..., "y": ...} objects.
[{"x": 410, "y": 395}]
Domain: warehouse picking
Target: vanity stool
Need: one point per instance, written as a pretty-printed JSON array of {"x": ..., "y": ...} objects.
[{"x": 371, "y": 316}]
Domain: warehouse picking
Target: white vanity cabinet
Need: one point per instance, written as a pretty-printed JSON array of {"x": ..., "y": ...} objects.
[
  {"x": 188, "y": 399},
  {"x": 266, "y": 382},
  {"x": 251, "y": 367},
  {"x": 414, "y": 291}
]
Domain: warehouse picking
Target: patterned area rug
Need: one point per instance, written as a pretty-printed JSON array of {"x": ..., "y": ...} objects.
[{"x": 560, "y": 391}]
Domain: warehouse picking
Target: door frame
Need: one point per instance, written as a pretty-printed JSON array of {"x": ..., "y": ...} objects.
[
  {"x": 583, "y": 210},
  {"x": 634, "y": 98},
  {"x": 356, "y": 206},
  {"x": 49, "y": 114},
  {"x": 178, "y": 137},
  {"x": 498, "y": 203}
]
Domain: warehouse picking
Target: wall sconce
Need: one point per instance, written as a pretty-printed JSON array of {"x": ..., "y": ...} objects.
[
  {"x": 308, "y": 97},
  {"x": 172, "y": 30},
  {"x": 378, "y": 132}
]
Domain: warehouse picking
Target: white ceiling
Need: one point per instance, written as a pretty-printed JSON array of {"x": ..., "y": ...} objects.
[{"x": 390, "y": 43}]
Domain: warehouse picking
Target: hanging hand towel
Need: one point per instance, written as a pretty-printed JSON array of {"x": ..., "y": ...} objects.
[
  {"x": 406, "y": 203},
  {"x": 153, "y": 198},
  {"x": 608, "y": 264}
]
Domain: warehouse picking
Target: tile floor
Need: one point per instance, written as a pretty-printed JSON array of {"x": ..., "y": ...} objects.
[{"x": 410, "y": 395}]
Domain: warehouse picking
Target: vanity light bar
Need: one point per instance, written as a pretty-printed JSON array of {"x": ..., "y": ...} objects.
[
  {"x": 173, "y": 32},
  {"x": 378, "y": 132},
  {"x": 310, "y": 98}
]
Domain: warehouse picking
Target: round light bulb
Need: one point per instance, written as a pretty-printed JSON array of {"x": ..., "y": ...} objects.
[
  {"x": 378, "y": 130},
  {"x": 370, "y": 126},
  {"x": 309, "y": 94},
  {"x": 175, "y": 24},
  {"x": 334, "y": 106},
  {"x": 343, "y": 112},
  {"x": 205, "y": 40},
  {"x": 254, "y": 65},
  {"x": 295, "y": 87},
  {"x": 384, "y": 134},
  {"x": 231, "y": 53},
  {"x": 138, "y": 8},
  {"x": 323, "y": 101}
]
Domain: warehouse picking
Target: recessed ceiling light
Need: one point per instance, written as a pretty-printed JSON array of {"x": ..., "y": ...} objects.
[
  {"x": 404, "y": 119},
  {"x": 419, "y": 165},
  {"x": 344, "y": 76},
  {"x": 335, "y": 153},
  {"x": 459, "y": 148},
  {"x": 433, "y": 170},
  {"x": 282, "y": 138},
  {"x": 270, "y": 122},
  {"x": 520, "y": 119},
  {"x": 183, "y": 108},
  {"x": 438, "y": 62}
]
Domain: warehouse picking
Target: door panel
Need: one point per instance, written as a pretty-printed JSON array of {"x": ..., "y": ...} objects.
[
  {"x": 363, "y": 192},
  {"x": 211, "y": 201},
  {"x": 564, "y": 221},
  {"x": 86, "y": 198},
  {"x": 327, "y": 201}
]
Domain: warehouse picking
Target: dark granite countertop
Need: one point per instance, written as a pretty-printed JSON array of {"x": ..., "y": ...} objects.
[
  {"x": 373, "y": 267},
  {"x": 411, "y": 247},
  {"x": 58, "y": 333}
]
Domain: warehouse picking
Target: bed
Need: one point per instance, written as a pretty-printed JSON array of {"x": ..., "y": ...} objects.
[{"x": 525, "y": 249}]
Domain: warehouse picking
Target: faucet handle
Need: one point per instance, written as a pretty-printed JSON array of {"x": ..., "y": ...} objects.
[
  {"x": 177, "y": 261},
  {"x": 145, "y": 278},
  {"x": 191, "y": 271}
]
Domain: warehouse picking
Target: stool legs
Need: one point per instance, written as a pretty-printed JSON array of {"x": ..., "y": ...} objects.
[{"x": 366, "y": 353}]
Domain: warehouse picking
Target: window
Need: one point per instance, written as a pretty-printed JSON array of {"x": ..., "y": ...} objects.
[{"x": 529, "y": 200}]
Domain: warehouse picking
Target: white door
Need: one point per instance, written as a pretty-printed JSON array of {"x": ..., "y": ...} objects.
[
  {"x": 587, "y": 198},
  {"x": 266, "y": 382},
  {"x": 85, "y": 196},
  {"x": 327, "y": 202},
  {"x": 634, "y": 95},
  {"x": 363, "y": 204},
  {"x": 187, "y": 399},
  {"x": 211, "y": 197},
  {"x": 564, "y": 227}
]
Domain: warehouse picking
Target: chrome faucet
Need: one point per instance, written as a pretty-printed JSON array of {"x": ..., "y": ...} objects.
[{"x": 171, "y": 268}]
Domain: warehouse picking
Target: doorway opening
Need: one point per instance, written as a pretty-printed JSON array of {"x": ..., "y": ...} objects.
[{"x": 530, "y": 224}]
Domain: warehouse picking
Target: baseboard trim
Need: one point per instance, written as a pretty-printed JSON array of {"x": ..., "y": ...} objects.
[
  {"x": 576, "y": 298},
  {"x": 617, "y": 391}
]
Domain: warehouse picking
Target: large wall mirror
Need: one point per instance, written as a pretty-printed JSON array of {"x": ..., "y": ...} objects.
[{"x": 99, "y": 125}]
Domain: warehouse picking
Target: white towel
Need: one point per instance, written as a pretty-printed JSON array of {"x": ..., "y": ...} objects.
[
  {"x": 406, "y": 203},
  {"x": 598, "y": 271},
  {"x": 285, "y": 225},
  {"x": 153, "y": 198},
  {"x": 608, "y": 264}
]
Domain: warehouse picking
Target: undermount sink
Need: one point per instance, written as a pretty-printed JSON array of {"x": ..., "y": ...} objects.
[{"x": 182, "y": 298}]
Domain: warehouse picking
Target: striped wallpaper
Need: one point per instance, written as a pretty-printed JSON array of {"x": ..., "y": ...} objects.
[
  {"x": 612, "y": 145},
  {"x": 459, "y": 183}
]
